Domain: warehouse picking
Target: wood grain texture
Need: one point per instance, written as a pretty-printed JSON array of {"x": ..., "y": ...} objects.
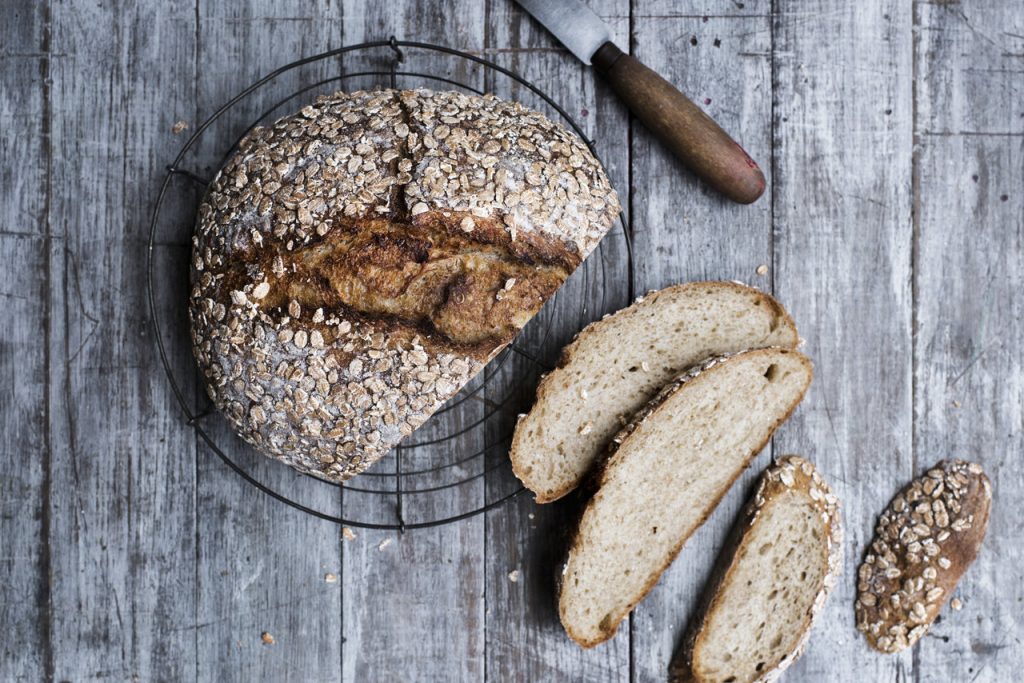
[
  {"x": 682, "y": 232},
  {"x": 121, "y": 507},
  {"x": 842, "y": 237},
  {"x": 24, "y": 359},
  {"x": 261, "y": 567},
  {"x": 893, "y": 137},
  {"x": 968, "y": 275}
]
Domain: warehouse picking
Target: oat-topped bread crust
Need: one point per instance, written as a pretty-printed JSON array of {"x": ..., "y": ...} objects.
[
  {"x": 785, "y": 584},
  {"x": 356, "y": 263},
  {"x": 617, "y": 364},
  {"x": 924, "y": 542}
]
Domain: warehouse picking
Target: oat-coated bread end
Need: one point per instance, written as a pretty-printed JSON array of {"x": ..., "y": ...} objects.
[{"x": 924, "y": 541}]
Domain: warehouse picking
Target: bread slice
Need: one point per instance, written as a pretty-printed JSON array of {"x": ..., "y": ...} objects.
[
  {"x": 666, "y": 472},
  {"x": 773, "y": 582},
  {"x": 619, "y": 363},
  {"x": 924, "y": 542}
]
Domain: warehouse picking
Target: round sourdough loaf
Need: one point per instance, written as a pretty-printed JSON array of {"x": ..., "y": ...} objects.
[{"x": 356, "y": 263}]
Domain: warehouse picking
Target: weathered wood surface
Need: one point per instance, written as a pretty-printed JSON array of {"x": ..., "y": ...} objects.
[
  {"x": 842, "y": 222},
  {"x": 892, "y": 135}
]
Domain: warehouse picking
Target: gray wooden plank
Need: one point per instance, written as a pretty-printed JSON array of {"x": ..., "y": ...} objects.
[
  {"x": 24, "y": 286},
  {"x": 263, "y": 568},
  {"x": 683, "y": 232},
  {"x": 969, "y": 272},
  {"x": 842, "y": 251},
  {"x": 414, "y": 602},
  {"x": 123, "y": 521},
  {"x": 24, "y": 476},
  {"x": 525, "y": 641}
]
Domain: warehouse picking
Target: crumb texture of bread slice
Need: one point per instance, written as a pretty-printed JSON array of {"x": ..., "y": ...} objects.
[
  {"x": 666, "y": 472},
  {"x": 773, "y": 582},
  {"x": 924, "y": 541},
  {"x": 619, "y": 363}
]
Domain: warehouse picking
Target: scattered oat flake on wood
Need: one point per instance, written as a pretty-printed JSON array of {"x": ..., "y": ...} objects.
[
  {"x": 762, "y": 269},
  {"x": 513, "y": 576},
  {"x": 348, "y": 534},
  {"x": 331, "y": 578},
  {"x": 384, "y": 544},
  {"x": 267, "y": 638},
  {"x": 957, "y": 604},
  {"x": 179, "y": 127}
]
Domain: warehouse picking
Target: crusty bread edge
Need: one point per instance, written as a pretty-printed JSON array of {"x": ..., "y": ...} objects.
[
  {"x": 773, "y": 482},
  {"x": 692, "y": 376},
  {"x": 568, "y": 356}
]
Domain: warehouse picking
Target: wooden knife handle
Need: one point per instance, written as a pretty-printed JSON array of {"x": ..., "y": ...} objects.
[{"x": 698, "y": 141}]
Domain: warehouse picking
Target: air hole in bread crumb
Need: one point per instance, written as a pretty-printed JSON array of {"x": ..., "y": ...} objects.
[{"x": 772, "y": 372}]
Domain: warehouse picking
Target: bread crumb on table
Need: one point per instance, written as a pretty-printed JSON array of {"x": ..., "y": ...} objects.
[
  {"x": 762, "y": 269},
  {"x": 331, "y": 578},
  {"x": 179, "y": 127},
  {"x": 348, "y": 534},
  {"x": 957, "y": 604},
  {"x": 384, "y": 544},
  {"x": 513, "y": 576},
  {"x": 267, "y": 638}
]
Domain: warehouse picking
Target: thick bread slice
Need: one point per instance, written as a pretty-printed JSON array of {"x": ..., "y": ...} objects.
[
  {"x": 619, "y": 363},
  {"x": 924, "y": 542},
  {"x": 665, "y": 473},
  {"x": 772, "y": 583}
]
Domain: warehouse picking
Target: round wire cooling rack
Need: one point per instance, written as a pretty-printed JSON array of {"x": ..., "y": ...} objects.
[{"x": 455, "y": 466}]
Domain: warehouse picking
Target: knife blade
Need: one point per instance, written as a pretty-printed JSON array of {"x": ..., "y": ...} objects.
[
  {"x": 686, "y": 130},
  {"x": 574, "y": 24}
]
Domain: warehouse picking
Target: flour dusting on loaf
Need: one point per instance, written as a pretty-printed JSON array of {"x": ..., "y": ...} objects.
[{"x": 356, "y": 263}]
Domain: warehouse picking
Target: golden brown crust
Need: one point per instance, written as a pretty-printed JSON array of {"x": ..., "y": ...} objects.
[
  {"x": 924, "y": 541},
  {"x": 568, "y": 354},
  {"x": 358, "y": 262},
  {"x": 788, "y": 473},
  {"x": 690, "y": 379}
]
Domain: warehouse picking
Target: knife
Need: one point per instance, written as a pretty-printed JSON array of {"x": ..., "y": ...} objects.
[{"x": 692, "y": 135}]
